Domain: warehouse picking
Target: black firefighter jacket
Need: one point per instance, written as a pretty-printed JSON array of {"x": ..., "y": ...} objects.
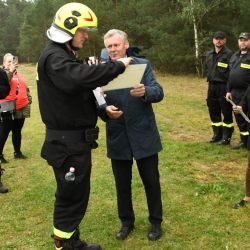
[
  {"x": 65, "y": 85},
  {"x": 218, "y": 65},
  {"x": 239, "y": 77},
  {"x": 66, "y": 100}
]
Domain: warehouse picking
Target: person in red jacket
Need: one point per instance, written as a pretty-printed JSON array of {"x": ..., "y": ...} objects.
[{"x": 18, "y": 92}]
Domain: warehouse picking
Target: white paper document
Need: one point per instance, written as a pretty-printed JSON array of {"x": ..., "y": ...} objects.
[
  {"x": 99, "y": 96},
  {"x": 131, "y": 77}
]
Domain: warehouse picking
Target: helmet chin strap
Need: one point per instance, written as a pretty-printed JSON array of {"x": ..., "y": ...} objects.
[{"x": 70, "y": 43}]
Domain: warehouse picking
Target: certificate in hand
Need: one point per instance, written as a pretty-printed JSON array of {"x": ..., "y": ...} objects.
[{"x": 131, "y": 77}]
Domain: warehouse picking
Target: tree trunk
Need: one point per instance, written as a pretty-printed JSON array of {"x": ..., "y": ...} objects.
[{"x": 196, "y": 40}]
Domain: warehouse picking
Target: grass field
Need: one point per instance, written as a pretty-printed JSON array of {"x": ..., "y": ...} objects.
[{"x": 200, "y": 183}]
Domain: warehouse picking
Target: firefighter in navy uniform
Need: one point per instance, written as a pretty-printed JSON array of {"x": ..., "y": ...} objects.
[
  {"x": 217, "y": 62},
  {"x": 69, "y": 112},
  {"x": 239, "y": 81}
]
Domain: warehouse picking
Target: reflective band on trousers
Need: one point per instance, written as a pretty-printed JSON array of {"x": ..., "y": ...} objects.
[
  {"x": 230, "y": 125},
  {"x": 62, "y": 234},
  {"x": 245, "y": 66},
  {"x": 244, "y": 133},
  {"x": 216, "y": 124}
]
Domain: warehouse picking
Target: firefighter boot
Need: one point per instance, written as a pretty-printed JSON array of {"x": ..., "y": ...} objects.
[
  {"x": 74, "y": 243},
  {"x": 2, "y": 188},
  {"x": 217, "y": 134},
  {"x": 227, "y": 134},
  {"x": 243, "y": 142}
]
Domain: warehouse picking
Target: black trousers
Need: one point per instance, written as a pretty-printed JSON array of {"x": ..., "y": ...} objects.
[
  {"x": 72, "y": 197},
  {"x": 15, "y": 126},
  {"x": 218, "y": 105},
  {"x": 237, "y": 94},
  {"x": 149, "y": 173}
]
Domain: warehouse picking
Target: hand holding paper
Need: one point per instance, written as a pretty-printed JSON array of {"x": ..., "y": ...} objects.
[
  {"x": 126, "y": 60},
  {"x": 130, "y": 78},
  {"x": 138, "y": 90}
]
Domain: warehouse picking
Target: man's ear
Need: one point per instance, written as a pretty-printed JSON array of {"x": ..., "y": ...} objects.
[{"x": 126, "y": 45}]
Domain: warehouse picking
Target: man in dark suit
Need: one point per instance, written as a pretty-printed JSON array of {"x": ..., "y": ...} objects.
[{"x": 134, "y": 135}]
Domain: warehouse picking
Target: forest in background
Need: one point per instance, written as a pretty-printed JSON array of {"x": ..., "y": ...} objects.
[{"x": 173, "y": 34}]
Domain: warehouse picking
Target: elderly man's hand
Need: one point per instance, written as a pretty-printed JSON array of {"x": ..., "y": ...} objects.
[
  {"x": 113, "y": 112},
  {"x": 138, "y": 90}
]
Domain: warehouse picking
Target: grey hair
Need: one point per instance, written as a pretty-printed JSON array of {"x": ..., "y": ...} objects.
[
  {"x": 113, "y": 32},
  {"x": 6, "y": 56}
]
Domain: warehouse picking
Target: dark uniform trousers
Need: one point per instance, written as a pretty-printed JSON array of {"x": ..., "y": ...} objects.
[
  {"x": 217, "y": 104},
  {"x": 149, "y": 173},
  {"x": 15, "y": 126},
  {"x": 72, "y": 197},
  {"x": 237, "y": 95}
]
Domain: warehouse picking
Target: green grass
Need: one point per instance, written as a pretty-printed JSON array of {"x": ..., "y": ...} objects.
[{"x": 200, "y": 183}]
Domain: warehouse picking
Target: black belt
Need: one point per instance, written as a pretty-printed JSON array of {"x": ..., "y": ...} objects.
[
  {"x": 83, "y": 135},
  {"x": 217, "y": 83}
]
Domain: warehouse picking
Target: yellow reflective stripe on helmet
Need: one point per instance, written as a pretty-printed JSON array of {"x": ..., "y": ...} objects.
[
  {"x": 223, "y": 65},
  {"x": 62, "y": 234},
  {"x": 216, "y": 124},
  {"x": 230, "y": 125},
  {"x": 245, "y": 66},
  {"x": 244, "y": 133}
]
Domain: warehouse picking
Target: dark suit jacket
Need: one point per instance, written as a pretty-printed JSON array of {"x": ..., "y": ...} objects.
[{"x": 134, "y": 134}]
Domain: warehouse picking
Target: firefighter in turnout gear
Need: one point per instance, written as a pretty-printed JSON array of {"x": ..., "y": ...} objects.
[
  {"x": 217, "y": 62},
  {"x": 239, "y": 81},
  {"x": 68, "y": 110}
]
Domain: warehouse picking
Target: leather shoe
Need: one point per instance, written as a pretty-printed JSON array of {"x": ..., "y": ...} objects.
[
  {"x": 3, "y": 189},
  {"x": 19, "y": 155},
  {"x": 155, "y": 232},
  {"x": 124, "y": 232},
  {"x": 240, "y": 204}
]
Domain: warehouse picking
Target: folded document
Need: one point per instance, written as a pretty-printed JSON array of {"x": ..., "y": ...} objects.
[{"x": 131, "y": 77}]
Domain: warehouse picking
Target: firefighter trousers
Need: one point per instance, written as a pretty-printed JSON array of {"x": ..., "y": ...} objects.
[
  {"x": 218, "y": 105},
  {"x": 237, "y": 95},
  {"x": 72, "y": 197}
]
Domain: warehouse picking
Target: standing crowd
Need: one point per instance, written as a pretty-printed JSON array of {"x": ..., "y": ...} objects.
[
  {"x": 228, "y": 77},
  {"x": 14, "y": 107}
]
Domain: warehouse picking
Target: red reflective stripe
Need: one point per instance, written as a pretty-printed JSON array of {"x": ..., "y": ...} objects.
[{"x": 88, "y": 19}]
